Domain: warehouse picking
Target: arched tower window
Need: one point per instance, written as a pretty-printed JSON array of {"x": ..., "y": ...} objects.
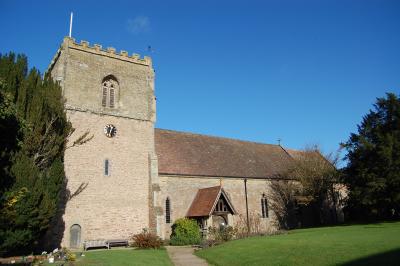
[
  {"x": 110, "y": 90},
  {"x": 167, "y": 211},
  {"x": 264, "y": 206},
  {"x": 75, "y": 236}
]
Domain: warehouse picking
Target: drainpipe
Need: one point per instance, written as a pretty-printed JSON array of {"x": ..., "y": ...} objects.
[{"x": 247, "y": 205}]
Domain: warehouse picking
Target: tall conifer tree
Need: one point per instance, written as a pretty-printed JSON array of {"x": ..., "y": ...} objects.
[
  {"x": 34, "y": 130},
  {"x": 373, "y": 172}
]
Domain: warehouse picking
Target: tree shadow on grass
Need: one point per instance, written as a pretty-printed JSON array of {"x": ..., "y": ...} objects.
[{"x": 388, "y": 258}]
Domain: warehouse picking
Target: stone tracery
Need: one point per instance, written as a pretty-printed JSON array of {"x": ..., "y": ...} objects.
[{"x": 110, "y": 91}]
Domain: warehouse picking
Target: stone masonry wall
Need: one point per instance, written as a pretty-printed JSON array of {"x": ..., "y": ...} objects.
[
  {"x": 81, "y": 69},
  {"x": 182, "y": 190},
  {"x": 115, "y": 205}
]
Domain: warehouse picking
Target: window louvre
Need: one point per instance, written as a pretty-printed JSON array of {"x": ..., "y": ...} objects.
[
  {"x": 104, "y": 100},
  {"x": 110, "y": 92},
  {"x": 111, "y": 98}
]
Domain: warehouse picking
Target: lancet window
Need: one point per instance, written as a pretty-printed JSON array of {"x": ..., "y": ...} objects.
[
  {"x": 264, "y": 207},
  {"x": 110, "y": 90}
]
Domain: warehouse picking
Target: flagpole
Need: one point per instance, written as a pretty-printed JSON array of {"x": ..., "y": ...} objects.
[{"x": 70, "y": 25}]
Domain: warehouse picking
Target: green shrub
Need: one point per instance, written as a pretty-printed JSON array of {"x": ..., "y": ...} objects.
[
  {"x": 219, "y": 235},
  {"x": 185, "y": 232},
  {"x": 222, "y": 234},
  {"x": 146, "y": 240},
  {"x": 69, "y": 255}
]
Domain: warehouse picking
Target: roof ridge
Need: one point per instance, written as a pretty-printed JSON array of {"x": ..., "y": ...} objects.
[
  {"x": 217, "y": 137},
  {"x": 286, "y": 151}
]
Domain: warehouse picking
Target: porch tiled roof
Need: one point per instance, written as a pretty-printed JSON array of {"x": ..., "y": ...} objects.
[{"x": 204, "y": 201}]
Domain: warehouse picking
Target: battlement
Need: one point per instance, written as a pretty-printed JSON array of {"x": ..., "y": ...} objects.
[
  {"x": 109, "y": 52},
  {"x": 81, "y": 69}
]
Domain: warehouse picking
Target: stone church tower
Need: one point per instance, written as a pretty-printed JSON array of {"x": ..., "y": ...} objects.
[{"x": 112, "y": 180}]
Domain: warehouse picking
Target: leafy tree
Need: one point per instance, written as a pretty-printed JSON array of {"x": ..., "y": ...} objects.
[
  {"x": 282, "y": 196},
  {"x": 308, "y": 183},
  {"x": 373, "y": 171},
  {"x": 317, "y": 175},
  {"x": 34, "y": 129}
]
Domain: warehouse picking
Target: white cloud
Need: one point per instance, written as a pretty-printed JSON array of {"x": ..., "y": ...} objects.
[{"x": 138, "y": 25}]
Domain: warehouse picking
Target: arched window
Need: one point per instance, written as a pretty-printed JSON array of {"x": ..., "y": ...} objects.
[
  {"x": 264, "y": 206},
  {"x": 167, "y": 211},
  {"x": 75, "y": 236},
  {"x": 110, "y": 90}
]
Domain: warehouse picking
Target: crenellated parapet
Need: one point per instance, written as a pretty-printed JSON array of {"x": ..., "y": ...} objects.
[
  {"x": 81, "y": 69},
  {"x": 109, "y": 52}
]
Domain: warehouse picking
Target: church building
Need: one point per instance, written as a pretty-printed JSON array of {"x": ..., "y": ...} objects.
[{"x": 131, "y": 175}]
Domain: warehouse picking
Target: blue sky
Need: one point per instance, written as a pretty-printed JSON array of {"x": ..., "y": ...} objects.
[{"x": 301, "y": 71}]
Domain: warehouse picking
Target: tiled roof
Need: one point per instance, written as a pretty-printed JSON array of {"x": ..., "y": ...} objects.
[
  {"x": 310, "y": 155},
  {"x": 204, "y": 201},
  {"x": 190, "y": 154},
  {"x": 295, "y": 154}
]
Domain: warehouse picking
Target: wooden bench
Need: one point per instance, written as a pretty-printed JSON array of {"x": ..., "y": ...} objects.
[
  {"x": 99, "y": 243},
  {"x": 102, "y": 243},
  {"x": 117, "y": 243}
]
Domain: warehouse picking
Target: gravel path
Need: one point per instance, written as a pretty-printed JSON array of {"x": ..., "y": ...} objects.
[{"x": 183, "y": 256}]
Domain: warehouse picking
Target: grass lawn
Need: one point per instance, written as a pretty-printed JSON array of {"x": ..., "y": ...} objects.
[
  {"x": 122, "y": 257},
  {"x": 370, "y": 244}
]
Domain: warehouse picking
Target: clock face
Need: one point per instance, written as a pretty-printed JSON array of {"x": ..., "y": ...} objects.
[{"x": 110, "y": 130}]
